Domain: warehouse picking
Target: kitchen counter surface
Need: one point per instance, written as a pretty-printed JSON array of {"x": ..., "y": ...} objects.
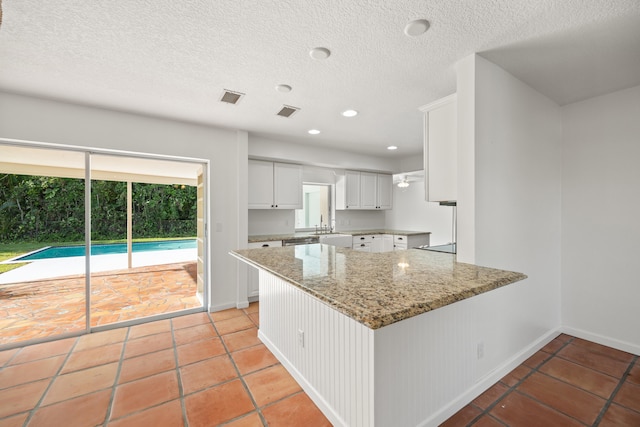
[
  {"x": 378, "y": 289},
  {"x": 275, "y": 237}
]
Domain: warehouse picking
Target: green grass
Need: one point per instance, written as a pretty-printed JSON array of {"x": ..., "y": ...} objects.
[{"x": 12, "y": 250}]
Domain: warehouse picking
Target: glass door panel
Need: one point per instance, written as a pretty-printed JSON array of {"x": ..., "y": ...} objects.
[{"x": 42, "y": 237}]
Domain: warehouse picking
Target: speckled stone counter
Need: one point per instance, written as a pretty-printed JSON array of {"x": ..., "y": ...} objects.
[
  {"x": 275, "y": 237},
  {"x": 378, "y": 289}
]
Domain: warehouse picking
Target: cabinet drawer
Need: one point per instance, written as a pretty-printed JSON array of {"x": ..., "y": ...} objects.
[
  {"x": 397, "y": 238},
  {"x": 269, "y": 244},
  {"x": 364, "y": 247},
  {"x": 362, "y": 239},
  {"x": 399, "y": 246}
]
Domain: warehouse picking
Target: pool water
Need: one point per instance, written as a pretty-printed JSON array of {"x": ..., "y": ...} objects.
[{"x": 107, "y": 249}]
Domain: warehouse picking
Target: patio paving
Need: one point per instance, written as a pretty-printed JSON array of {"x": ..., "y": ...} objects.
[{"x": 43, "y": 308}]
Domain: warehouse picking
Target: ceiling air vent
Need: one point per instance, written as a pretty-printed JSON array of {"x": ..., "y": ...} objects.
[
  {"x": 287, "y": 111},
  {"x": 231, "y": 97}
]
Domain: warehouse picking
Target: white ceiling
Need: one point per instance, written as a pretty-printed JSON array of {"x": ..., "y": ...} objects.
[{"x": 172, "y": 59}]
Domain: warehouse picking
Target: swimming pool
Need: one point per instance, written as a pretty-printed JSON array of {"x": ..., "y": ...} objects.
[{"x": 107, "y": 249}]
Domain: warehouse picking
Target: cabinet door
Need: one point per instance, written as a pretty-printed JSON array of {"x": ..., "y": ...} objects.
[
  {"x": 368, "y": 190},
  {"x": 385, "y": 191},
  {"x": 260, "y": 184},
  {"x": 352, "y": 190},
  {"x": 387, "y": 243},
  {"x": 440, "y": 152},
  {"x": 287, "y": 185},
  {"x": 377, "y": 243}
]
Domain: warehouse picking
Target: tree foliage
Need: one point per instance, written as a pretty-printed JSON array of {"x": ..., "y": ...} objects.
[{"x": 42, "y": 209}]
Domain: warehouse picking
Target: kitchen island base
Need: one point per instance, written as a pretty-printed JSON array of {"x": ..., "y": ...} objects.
[{"x": 416, "y": 372}]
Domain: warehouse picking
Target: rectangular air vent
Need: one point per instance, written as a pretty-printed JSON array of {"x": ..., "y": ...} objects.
[
  {"x": 287, "y": 111},
  {"x": 231, "y": 97}
]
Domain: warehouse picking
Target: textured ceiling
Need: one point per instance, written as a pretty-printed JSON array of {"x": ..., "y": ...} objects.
[{"x": 173, "y": 59}]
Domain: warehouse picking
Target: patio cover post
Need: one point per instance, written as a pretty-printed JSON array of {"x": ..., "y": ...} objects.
[{"x": 129, "y": 224}]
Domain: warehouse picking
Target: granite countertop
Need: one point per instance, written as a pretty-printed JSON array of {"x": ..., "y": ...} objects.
[
  {"x": 378, "y": 289},
  {"x": 275, "y": 237}
]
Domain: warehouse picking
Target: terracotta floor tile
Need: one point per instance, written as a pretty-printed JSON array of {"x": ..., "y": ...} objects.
[
  {"x": 492, "y": 394},
  {"x": 98, "y": 339},
  {"x": 242, "y": 339},
  {"x": 554, "y": 345},
  {"x": 271, "y": 384},
  {"x": 254, "y": 307},
  {"x": 218, "y": 404},
  {"x": 81, "y": 382},
  {"x": 144, "y": 393},
  {"x": 634, "y": 374},
  {"x": 584, "y": 356},
  {"x": 629, "y": 396},
  {"x": 146, "y": 365},
  {"x": 199, "y": 350},
  {"x": 194, "y": 333},
  {"x": 93, "y": 357},
  {"x": 513, "y": 377},
  {"x": 255, "y": 318},
  {"x": 44, "y": 350},
  {"x": 251, "y": 420},
  {"x": 166, "y": 415},
  {"x": 226, "y": 314},
  {"x": 190, "y": 320},
  {"x": 603, "y": 350},
  {"x": 150, "y": 328},
  {"x": 519, "y": 410},
  {"x": 563, "y": 397},
  {"x": 198, "y": 376},
  {"x": 488, "y": 421},
  {"x": 617, "y": 416},
  {"x": 580, "y": 376},
  {"x": 234, "y": 324},
  {"x": 88, "y": 410},
  {"x": 15, "y": 421},
  {"x": 7, "y": 355},
  {"x": 21, "y": 398},
  {"x": 148, "y": 344},
  {"x": 536, "y": 359},
  {"x": 297, "y": 410},
  {"x": 463, "y": 417},
  {"x": 253, "y": 358},
  {"x": 31, "y": 371}
]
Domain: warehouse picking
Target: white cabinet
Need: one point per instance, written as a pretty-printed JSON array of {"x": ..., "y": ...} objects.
[
  {"x": 373, "y": 243},
  {"x": 402, "y": 242},
  {"x": 364, "y": 190},
  {"x": 441, "y": 150},
  {"x": 252, "y": 272},
  {"x": 274, "y": 185},
  {"x": 387, "y": 242}
]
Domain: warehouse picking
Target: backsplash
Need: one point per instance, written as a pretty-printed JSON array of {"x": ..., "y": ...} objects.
[
  {"x": 360, "y": 220},
  {"x": 271, "y": 221}
]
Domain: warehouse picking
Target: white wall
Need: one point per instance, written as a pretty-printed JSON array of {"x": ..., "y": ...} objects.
[
  {"x": 516, "y": 141},
  {"x": 411, "y": 212},
  {"x": 29, "y": 118},
  {"x": 601, "y": 219}
]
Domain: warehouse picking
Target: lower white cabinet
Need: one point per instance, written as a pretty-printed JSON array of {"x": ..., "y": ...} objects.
[
  {"x": 402, "y": 242},
  {"x": 373, "y": 243},
  {"x": 253, "y": 281}
]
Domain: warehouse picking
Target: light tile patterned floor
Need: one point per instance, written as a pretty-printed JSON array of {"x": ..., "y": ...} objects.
[
  {"x": 193, "y": 370},
  {"x": 56, "y": 306}
]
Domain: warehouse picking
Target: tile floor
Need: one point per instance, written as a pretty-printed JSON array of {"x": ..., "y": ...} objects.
[
  {"x": 569, "y": 382},
  {"x": 211, "y": 369},
  {"x": 193, "y": 370},
  {"x": 45, "y": 308}
]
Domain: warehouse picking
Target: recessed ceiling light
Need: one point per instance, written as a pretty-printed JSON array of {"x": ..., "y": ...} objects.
[
  {"x": 314, "y": 131},
  {"x": 320, "y": 53},
  {"x": 392, "y": 147},
  {"x": 350, "y": 113},
  {"x": 417, "y": 27},
  {"x": 283, "y": 88}
]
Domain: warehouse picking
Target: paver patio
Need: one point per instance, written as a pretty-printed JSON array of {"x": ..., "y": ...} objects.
[{"x": 44, "y": 308}]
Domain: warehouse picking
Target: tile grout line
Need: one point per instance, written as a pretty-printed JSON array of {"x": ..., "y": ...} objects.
[
  {"x": 183, "y": 406},
  {"x": 35, "y": 408},
  {"x": 107, "y": 417},
  {"x": 518, "y": 383},
  {"x": 609, "y": 401},
  {"x": 240, "y": 376}
]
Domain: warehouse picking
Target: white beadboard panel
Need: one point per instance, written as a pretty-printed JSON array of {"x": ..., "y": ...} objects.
[
  {"x": 334, "y": 365},
  {"x": 423, "y": 363}
]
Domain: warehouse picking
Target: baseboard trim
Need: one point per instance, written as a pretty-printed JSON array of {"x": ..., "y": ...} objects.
[{"x": 601, "y": 339}]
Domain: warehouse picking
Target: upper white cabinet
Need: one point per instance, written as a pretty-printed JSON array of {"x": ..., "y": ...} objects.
[
  {"x": 441, "y": 150},
  {"x": 274, "y": 185},
  {"x": 364, "y": 190}
]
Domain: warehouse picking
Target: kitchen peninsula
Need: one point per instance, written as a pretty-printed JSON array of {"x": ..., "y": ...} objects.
[{"x": 374, "y": 338}]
